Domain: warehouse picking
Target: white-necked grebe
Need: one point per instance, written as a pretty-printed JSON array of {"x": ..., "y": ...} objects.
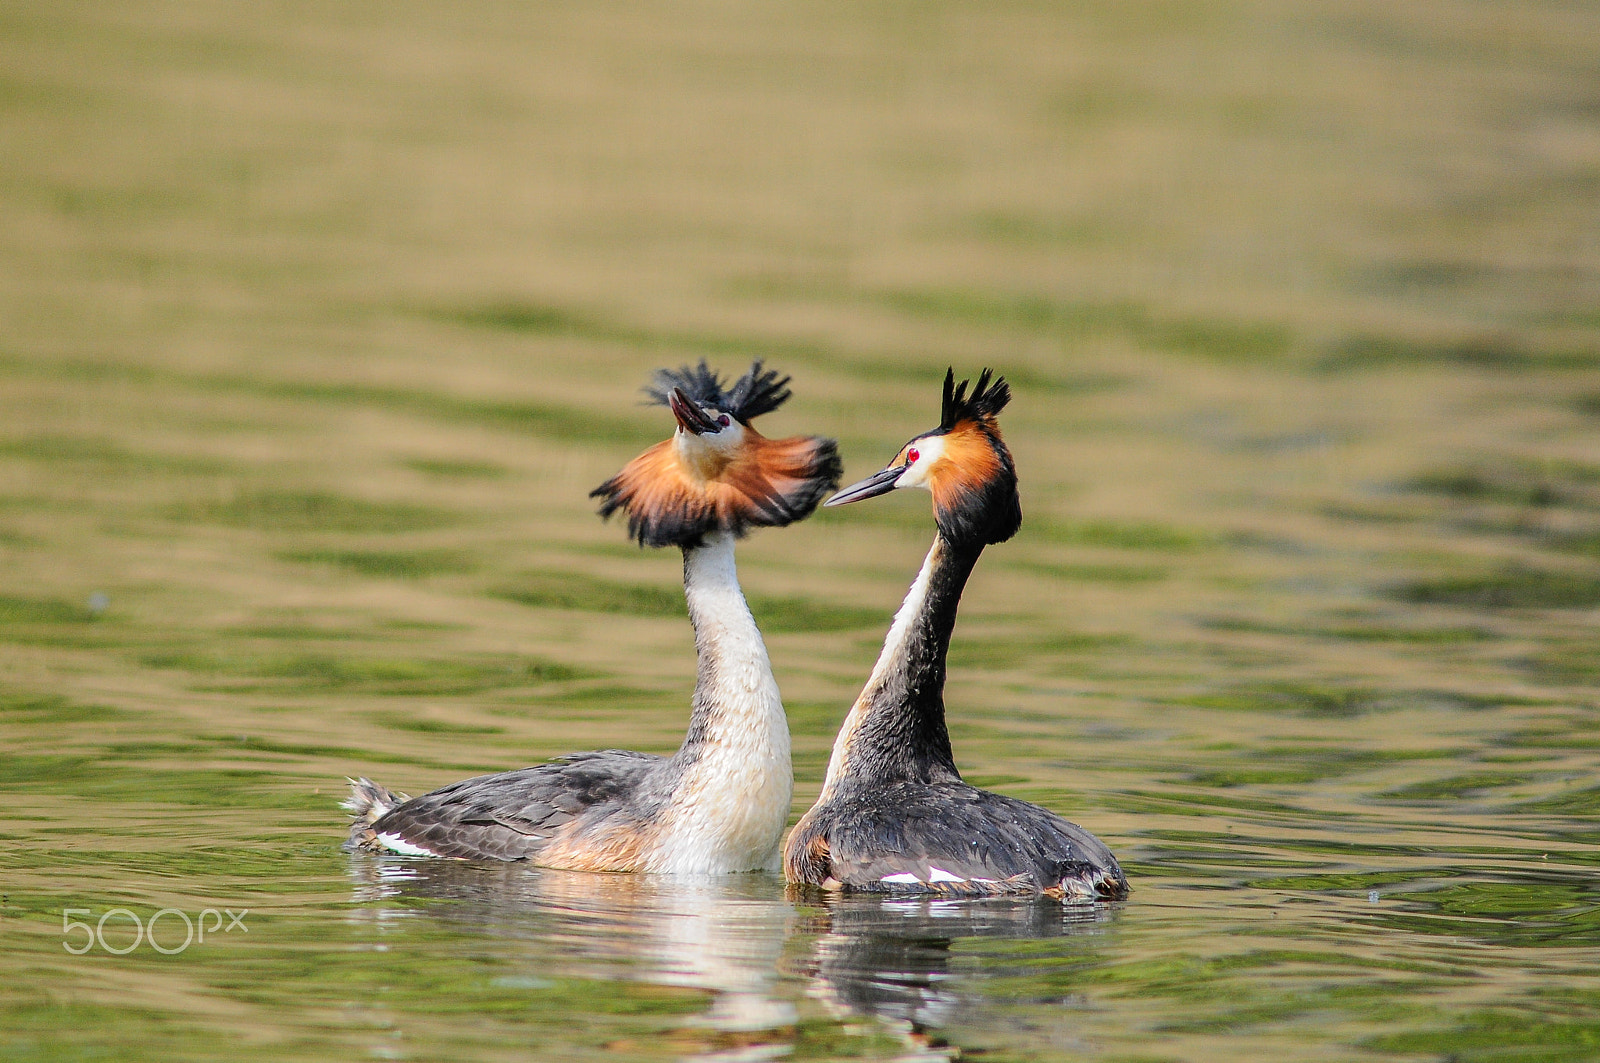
[
  {"x": 720, "y": 803},
  {"x": 894, "y": 814}
]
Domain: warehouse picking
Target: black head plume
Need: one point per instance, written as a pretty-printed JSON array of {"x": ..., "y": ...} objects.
[
  {"x": 983, "y": 405},
  {"x": 759, "y": 391}
]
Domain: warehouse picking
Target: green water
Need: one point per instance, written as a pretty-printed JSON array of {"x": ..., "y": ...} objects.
[{"x": 321, "y": 320}]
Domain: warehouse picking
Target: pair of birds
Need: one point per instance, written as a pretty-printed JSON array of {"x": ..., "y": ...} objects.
[{"x": 894, "y": 814}]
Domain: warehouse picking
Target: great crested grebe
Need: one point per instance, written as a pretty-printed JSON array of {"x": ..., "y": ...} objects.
[
  {"x": 720, "y": 803},
  {"x": 894, "y": 815}
]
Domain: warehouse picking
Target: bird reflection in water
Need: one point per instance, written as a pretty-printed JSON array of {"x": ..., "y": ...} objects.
[
  {"x": 722, "y": 934},
  {"x": 895, "y": 959},
  {"x": 773, "y": 963}
]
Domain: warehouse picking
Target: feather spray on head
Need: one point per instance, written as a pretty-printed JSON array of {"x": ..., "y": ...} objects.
[{"x": 717, "y": 473}]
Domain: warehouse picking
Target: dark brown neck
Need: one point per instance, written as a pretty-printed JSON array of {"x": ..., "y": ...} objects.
[{"x": 896, "y": 731}]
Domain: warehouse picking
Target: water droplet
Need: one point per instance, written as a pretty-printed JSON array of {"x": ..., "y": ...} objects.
[
  {"x": 99, "y": 602},
  {"x": 1372, "y": 896}
]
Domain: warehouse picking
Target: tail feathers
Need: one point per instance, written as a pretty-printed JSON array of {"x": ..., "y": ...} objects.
[
  {"x": 367, "y": 803},
  {"x": 1077, "y": 880}
]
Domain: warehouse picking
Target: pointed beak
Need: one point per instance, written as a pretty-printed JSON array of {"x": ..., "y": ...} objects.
[
  {"x": 879, "y": 483},
  {"x": 691, "y": 418}
]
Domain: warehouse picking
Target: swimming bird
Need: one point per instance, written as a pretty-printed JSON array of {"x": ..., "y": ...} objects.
[
  {"x": 720, "y": 802},
  {"x": 894, "y": 814}
]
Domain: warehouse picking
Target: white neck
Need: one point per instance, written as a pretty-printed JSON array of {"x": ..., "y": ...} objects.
[
  {"x": 894, "y": 649},
  {"x": 729, "y": 811}
]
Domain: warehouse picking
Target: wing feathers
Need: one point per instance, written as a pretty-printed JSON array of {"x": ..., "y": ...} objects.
[
  {"x": 949, "y": 839},
  {"x": 524, "y": 814}
]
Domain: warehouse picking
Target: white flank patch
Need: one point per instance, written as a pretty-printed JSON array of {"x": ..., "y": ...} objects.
[
  {"x": 939, "y": 874},
  {"x": 397, "y": 844},
  {"x": 903, "y": 878}
]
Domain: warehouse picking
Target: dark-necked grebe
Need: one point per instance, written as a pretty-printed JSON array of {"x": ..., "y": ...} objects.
[
  {"x": 894, "y": 815},
  {"x": 720, "y": 803}
]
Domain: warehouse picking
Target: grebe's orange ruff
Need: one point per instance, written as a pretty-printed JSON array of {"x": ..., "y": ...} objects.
[{"x": 720, "y": 802}]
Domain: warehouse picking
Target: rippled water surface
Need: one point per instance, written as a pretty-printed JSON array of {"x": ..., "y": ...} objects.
[{"x": 320, "y": 321}]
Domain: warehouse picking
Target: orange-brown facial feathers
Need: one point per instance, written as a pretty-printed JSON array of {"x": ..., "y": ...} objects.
[
  {"x": 971, "y": 459},
  {"x": 678, "y": 490},
  {"x": 974, "y": 485}
]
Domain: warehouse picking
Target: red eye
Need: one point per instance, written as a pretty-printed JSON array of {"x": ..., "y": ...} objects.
[
  {"x": 912, "y": 455},
  {"x": 723, "y": 421}
]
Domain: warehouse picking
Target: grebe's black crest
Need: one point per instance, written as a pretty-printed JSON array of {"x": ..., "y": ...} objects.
[
  {"x": 759, "y": 391},
  {"x": 983, "y": 405},
  {"x": 710, "y": 478}
]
